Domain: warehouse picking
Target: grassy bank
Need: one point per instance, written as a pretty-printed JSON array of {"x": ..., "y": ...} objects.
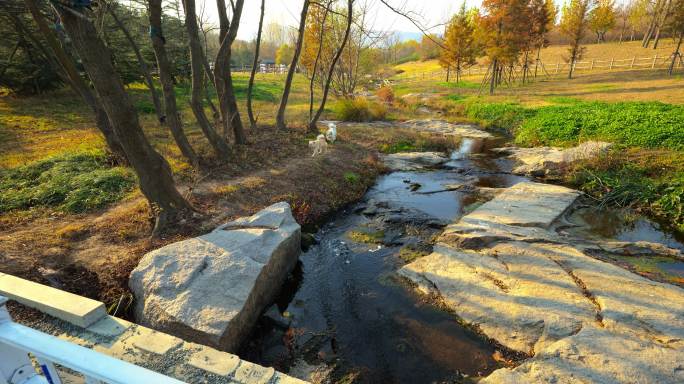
[
  {"x": 69, "y": 216},
  {"x": 645, "y": 168}
]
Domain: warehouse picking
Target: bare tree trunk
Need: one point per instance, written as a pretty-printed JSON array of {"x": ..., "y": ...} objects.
[
  {"x": 312, "y": 128},
  {"x": 196, "y": 58},
  {"x": 676, "y": 55},
  {"x": 230, "y": 115},
  {"x": 536, "y": 63},
  {"x": 280, "y": 117},
  {"x": 328, "y": 79},
  {"x": 492, "y": 82},
  {"x": 166, "y": 78},
  {"x": 255, "y": 62},
  {"x": 79, "y": 86},
  {"x": 141, "y": 62},
  {"x": 11, "y": 56},
  {"x": 661, "y": 23},
  {"x": 645, "y": 42},
  {"x": 154, "y": 173}
]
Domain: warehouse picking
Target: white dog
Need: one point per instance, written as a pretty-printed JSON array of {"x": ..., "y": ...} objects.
[
  {"x": 331, "y": 134},
  {"x": 319, "y": 145}
]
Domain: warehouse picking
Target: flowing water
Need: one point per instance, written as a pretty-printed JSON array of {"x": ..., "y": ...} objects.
[
  {"x": 346, "y": 314},
  {"x": 348, "y": 311}
]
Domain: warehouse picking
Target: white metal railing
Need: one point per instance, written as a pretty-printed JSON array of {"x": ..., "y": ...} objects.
[{"x": 21, "y": 346}]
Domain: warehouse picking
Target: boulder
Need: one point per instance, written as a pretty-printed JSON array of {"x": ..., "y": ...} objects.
[
  {"x": 446, "y": 128},
  {"x": 211, "y": 289},
  {"x": 540, "y": 161},
  {"x": 414, "y": 161}
]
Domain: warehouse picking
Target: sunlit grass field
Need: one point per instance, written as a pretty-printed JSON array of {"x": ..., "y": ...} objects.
[{"x": 554, "y": 54}]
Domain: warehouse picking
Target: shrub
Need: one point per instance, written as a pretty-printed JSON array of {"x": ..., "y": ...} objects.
[
  {"x": 71, "y": 183},
  {"x": 351, "y": 177},
  {"x": 359, "y": 109},
  {"x": 386, "y": 94}
]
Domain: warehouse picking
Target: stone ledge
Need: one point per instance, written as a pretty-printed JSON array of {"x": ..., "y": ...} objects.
[
  {"x": 71, "y": 318},
  {"x": 75, "y": 309}
]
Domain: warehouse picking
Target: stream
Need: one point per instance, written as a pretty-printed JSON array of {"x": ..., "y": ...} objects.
[{"x": 345, "y": 315}]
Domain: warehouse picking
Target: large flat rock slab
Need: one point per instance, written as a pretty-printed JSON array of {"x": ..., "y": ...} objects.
[
  {"x": 446, "y": 128},
  {"x": 525, "y": 204},
  {"x": 595, "y": 355},
  {"x": 540, "y": 161},
  {"x": 413, "y": 161},
  {"x": 211, "y": 289},
  {"x": 504, "y": 269},
  {"x": 514, "y": 293}
]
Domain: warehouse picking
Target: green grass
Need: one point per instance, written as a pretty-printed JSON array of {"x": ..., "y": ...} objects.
[
  {"x": 70, "y": 183},
  {"x": 507, "y": 115},
  {"x": 638, "y": 124},
  {"x": 655, "y": 185},
  {"x": 570, "y": 121},
  {"x": 352, "y": 177},
  {"x": 621, "y": 183},
  {"x": 460, "y": 85}
]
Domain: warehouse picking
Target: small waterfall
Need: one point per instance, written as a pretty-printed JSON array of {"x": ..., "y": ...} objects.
[{"x": 468, "y": 145}]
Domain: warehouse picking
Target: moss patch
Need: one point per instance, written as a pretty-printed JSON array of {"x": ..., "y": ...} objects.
[
  {"x": 410, "y": 253},
  {"x": 368, "y": 237}
]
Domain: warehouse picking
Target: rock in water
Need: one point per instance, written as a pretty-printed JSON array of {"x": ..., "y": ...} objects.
[
  {"x": 541, "y": 161},
  {"x": 212, "y": 289},
  {"x": 414, "y": 161},
  {"x": 505, "y": 269}
]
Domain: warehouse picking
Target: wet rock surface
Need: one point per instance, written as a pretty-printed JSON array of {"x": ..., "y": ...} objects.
[
  {"x": 446, "y": 128},
  {"x": 352, "y": 317},
  {"x": 413, "y": 161},
  {"x": 537, "y": 291},
  {"x": 212, "y": 289}
]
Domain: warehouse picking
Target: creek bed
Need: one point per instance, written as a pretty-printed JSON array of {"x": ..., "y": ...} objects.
[{"x": 347, "y": 314}]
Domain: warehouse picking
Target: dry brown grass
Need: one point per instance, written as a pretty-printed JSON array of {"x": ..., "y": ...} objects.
[
  {"x": 559, "y": 53},
  {"x": 101, "y": 248}
]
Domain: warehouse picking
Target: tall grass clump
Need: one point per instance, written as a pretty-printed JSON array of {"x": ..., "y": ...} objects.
[
  {"x": 70, "y": 183},
  {"x": 359, "y": 109},
  {"x": 623, "y": 184}
]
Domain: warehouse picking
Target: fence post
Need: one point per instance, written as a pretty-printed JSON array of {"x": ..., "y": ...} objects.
[
  {"x": 632, "y": 65},
  {"x": 592, "y": 64},
  {"x": 611, "y": 62},
  {"x": 654, "y": 61},
  {"x": 557, "y": 68}
]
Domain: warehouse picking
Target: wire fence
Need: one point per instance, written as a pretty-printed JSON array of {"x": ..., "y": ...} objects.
[{"x": 656, "y": 62}]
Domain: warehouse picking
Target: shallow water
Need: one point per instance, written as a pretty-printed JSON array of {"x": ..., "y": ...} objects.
[
  {"x": 620, "y": 225},
  {"x": 624, "y": 226},
  {"x": 675, "y": 268},
  {"x": 350, "y": 311}
]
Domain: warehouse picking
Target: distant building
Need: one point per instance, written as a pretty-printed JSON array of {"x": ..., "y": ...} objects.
[{"x": 269, "y": 66}]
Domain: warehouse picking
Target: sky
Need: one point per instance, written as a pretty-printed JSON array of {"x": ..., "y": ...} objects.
[{"x": 287, "y": 12}]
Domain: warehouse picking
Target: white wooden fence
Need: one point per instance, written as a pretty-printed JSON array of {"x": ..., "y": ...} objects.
[{"x": 653, "y": 62}]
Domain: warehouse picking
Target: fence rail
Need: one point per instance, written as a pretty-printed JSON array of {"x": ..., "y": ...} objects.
[
  {"x": 652, "y": 62},
  {"x": 21, "y": 347}
]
